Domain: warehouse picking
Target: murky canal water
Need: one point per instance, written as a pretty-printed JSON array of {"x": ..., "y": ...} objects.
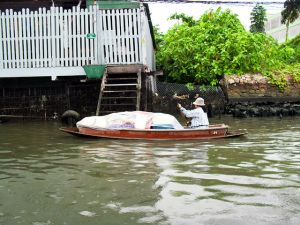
[{"x": 48, "y": 177}]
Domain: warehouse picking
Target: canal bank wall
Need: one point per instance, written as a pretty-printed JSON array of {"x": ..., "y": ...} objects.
[
  {"x": 168, "y": 95},
  {"x": 42, "y": 98},
  {"x": 248, "y": 95},
  {"x": 255, "y": 95}
]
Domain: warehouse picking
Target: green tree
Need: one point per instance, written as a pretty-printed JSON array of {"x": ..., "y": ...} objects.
[
  {"x": 294, "y": 44},
  {"x": 215, "y": 46},
  {"x": 158, "y": 35},
  {"x": 258, "y": 18},
  {"x": 183, "y": 18},
  {"x": 159, "y": 40},
  {"x": 290, "y": 14}
]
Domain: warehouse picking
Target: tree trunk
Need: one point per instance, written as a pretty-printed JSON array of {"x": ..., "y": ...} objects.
[{"x": 287, "y": 31}]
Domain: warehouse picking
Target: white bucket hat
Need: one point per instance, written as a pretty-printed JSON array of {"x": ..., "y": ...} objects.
[{"x": 199, "y": 101}]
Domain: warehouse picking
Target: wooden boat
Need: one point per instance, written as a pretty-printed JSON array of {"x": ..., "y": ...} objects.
[{"x": 211, "y": 132}]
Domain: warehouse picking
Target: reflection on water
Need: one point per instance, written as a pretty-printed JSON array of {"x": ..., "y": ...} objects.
[{"x": 49, "y": 177}]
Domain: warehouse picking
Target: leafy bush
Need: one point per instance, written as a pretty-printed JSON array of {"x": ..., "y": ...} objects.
[
  {"x": 295, "y": 45},
  {"x": 280, "y": 77},
  {"x": 289, "y": 54},
  {"x": 216, "y": 45}
]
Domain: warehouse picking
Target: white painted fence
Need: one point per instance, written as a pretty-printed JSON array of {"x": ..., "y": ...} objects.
[
  {"x": 47, "y": 38},
  {"x": 120, "y": 36},
  {"x": 35, "y": 41}
]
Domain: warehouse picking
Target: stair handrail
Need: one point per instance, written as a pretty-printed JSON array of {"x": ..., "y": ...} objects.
[
  {"x": 139, "y": 87},
  {"x": 102, "y": 87}
]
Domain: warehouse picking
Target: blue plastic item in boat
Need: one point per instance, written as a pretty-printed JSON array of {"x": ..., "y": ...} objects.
[{"x": 162, "y": 126}]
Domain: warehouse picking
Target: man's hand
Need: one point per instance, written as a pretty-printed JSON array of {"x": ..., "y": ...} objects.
[{"x": 178, "y": 106}]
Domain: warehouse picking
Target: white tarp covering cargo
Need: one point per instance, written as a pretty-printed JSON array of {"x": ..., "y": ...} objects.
[{"x": 131, "y": 120}]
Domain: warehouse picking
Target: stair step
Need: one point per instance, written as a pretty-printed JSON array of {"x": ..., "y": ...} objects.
[
  {"x": 118, "y": 104},
  {"x": 119, "y": 85},
  {"x": 123, "y": 78},
  {"x": 118, "y": 91},
  {"x": 119, "y": 97}
]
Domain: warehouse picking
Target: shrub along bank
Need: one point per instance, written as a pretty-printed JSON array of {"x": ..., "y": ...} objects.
[
  {"x": 255, "y": 71},
  {"x": 202, "y": 52}
]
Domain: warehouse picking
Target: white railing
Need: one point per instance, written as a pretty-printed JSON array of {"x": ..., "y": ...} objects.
[
  {"x": 148, "y": 57},
  {"x": 71, "y": 38},
  {"x": 47, "y": 38},
  {"x": 120, "y": 36}
]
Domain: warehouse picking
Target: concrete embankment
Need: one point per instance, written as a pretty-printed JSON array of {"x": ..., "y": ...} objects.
[
  {"x": 241, "y": 96},
  {"x": 255, "y": 95}
]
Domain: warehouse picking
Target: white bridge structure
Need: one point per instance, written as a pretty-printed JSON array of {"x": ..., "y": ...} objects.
[{"x": 58, "y": 42}]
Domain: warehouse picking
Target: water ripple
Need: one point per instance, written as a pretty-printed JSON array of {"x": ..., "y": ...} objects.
[{"x": 80, "y": 181}]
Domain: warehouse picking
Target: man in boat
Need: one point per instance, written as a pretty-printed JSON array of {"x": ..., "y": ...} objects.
[{"x": 198, "y": 116}]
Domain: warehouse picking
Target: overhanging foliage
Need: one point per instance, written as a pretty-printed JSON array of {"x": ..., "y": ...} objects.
[{"x": 216, "y": 45}]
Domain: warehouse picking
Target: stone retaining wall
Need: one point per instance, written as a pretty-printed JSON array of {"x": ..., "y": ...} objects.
[
  {"x": 255, "y": 95},
  {"x": 255, "y": 87}
]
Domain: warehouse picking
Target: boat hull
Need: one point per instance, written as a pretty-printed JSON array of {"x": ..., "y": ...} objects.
[{"x": 214, "y": 131}]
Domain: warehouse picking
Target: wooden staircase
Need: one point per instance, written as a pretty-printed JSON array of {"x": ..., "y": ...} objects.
[{"x": 119, "y": 92}]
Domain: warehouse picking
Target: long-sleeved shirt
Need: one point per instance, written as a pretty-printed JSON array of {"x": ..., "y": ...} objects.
[{"x": 197, "y": 115}]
